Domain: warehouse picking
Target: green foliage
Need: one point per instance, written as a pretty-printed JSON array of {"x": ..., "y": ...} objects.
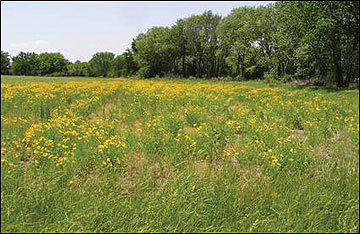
[
  {"x": 5, "y": 62},
  {"x": 154, "y": 52},
  {"x": 78, "y": 69},
  {"x": 199, "y": 32},
  {"x": 100, "y": 63},
  {"x": 57, "y": 74},
  {"x": 271, "y": 76},
  {"x": 25, "y": 63},
  {"x": 320, "y": 36},
  {"x": 50, "y": 63},
  {"x": 237, "y": 33},
  {"x": 299, "y": 39},
  {"x": 123, "y": 65},
  {"x": 286, "y": 78}
]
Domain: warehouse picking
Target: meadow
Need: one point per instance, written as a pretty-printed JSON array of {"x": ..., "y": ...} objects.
[{"x": 172, "y": 155}]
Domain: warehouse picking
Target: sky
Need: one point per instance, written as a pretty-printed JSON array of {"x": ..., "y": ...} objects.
[{"x": 80, "y": 29}]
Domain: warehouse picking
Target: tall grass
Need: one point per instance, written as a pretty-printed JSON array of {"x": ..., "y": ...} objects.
[{"x": 127, "y": 155}]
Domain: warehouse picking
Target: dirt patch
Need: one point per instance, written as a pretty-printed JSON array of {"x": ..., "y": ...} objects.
[
  {"x": 232, "y": 151},
  {"x": 298, "y": 135},
  {"x": 103, "y": 112},
  {"x": 135, "y": 163},
  {"x": 161, "y": 172},
  {"x": 248, "y": 176},
  {"x": 137, "y": 127},
  {"x": 245, "y": 177},
  {"x": 322, "y": 152},
  {"x": 93, "y": 177},
  {"x": 190, "y": 130},
  {"x": 338, "y": 136},
  {"x": 202, "y": 168},
  {"x": 218, "y": 119},
  {"x": 314, "y": 81}
]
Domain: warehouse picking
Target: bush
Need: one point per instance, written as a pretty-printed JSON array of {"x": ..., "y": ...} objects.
[
  {"x": 143, "y": 72},
  {"x": 239, "y": 78},
  {"x": 172, "y": 75},
  {"x": 223, "y": 78},
  {"x": 55, "y": 74},
  {"x": 271, "y": 76},
  {"x": 286, "y": 78}
]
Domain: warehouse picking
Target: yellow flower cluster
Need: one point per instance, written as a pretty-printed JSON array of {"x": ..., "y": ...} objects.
[{"x": 262, "y": 121}]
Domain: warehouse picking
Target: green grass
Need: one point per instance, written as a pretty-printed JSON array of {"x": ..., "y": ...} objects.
[
  {"x": 24, "y": 79},
  {"x": 172, "y": 175}
]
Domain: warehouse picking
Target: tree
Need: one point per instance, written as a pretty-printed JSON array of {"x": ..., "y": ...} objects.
[
  {"x": 154, "y": 52},
  {"x": 323, "y": 35},
  {"x": 202, "y": 42},
  {"x": 25, "y": 63},
  {"x": 5, "y": 62},
  {"x": 130, "y": 64},
  {"x": 78, "y": 69},
  {"x": 100, "y": 63},
  {"x": 118, "y": 67},
  {"x": 238, "y": 33},
  {"x": 301, "y": 39},
  {"x": 123, "y": 65},
  {"x": 177, "y": 37},
  {"x": 52, "y": 62}
]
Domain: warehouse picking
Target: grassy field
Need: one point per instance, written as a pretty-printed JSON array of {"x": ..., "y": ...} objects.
[{"x": 128, "y": 155}]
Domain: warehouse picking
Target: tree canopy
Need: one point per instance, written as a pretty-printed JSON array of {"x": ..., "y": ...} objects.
[
  {"x": 50, "y": 63},
  {"x": 100, "y": 63},
  {"x": 5, "y": 62},
  {"x": 288, "y": 39}
]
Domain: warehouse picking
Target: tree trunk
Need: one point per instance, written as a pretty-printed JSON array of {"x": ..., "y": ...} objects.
[
  {"x": 337, "y": 62},
  {"x": 183, "y": 66},
  {"x": 207, "y": 68},
  {"x": 349, "y": 74},
  {"x": 238, "y": 66},
  {"x": 322, "y": 74},
  {"x": 199, "y": 67},
  {"x": 217, "y": 65}
]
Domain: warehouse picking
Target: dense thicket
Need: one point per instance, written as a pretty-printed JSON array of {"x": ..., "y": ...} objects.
[{"x": 285, "y": 40}]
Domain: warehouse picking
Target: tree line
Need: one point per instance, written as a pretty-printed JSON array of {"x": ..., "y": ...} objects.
[{"x": 288, "y": 39}]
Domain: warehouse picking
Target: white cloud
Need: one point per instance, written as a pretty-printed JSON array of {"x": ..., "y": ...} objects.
[
  {"x": 21, "y": 44},
  {"x": 30, "y": 44},
  {"x": 37, "y": 46},
  {"x": 41, "y": 42}
]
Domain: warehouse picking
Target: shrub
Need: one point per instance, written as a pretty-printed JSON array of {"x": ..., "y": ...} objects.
[
  {"x": 271, "y": 76},
  {"x": 286, "y": 78}
]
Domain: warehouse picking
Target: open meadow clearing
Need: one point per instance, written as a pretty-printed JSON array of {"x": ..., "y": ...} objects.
[{"x": 132, "y": 155}]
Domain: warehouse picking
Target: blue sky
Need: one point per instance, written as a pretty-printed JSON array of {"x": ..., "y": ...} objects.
[{"x": 80, "y": 29}]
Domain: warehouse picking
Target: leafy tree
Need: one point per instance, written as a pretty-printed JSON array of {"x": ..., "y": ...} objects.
[
  {"x": 25, "y": 63},
  {"x": 130, "y": 64},
  {"x": 177, "y": 37},
  {"x": 100, "y": 63},
  {"x": 238, "y": 33},
  {"x": 321, "y": 35},
  {"x": 123, "y": 65},
  {"x": 52, "y": 63},
  {"x": 5, "y": 62},
  {"x": 202, "y": 42},
  {"x": 265, "y": 28},
  {"x": 78, "y": 69},
  {"x": 154, "y": 52},
  {"x": 118, "y": 67},
  {"x": 289, "y": 38}
]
